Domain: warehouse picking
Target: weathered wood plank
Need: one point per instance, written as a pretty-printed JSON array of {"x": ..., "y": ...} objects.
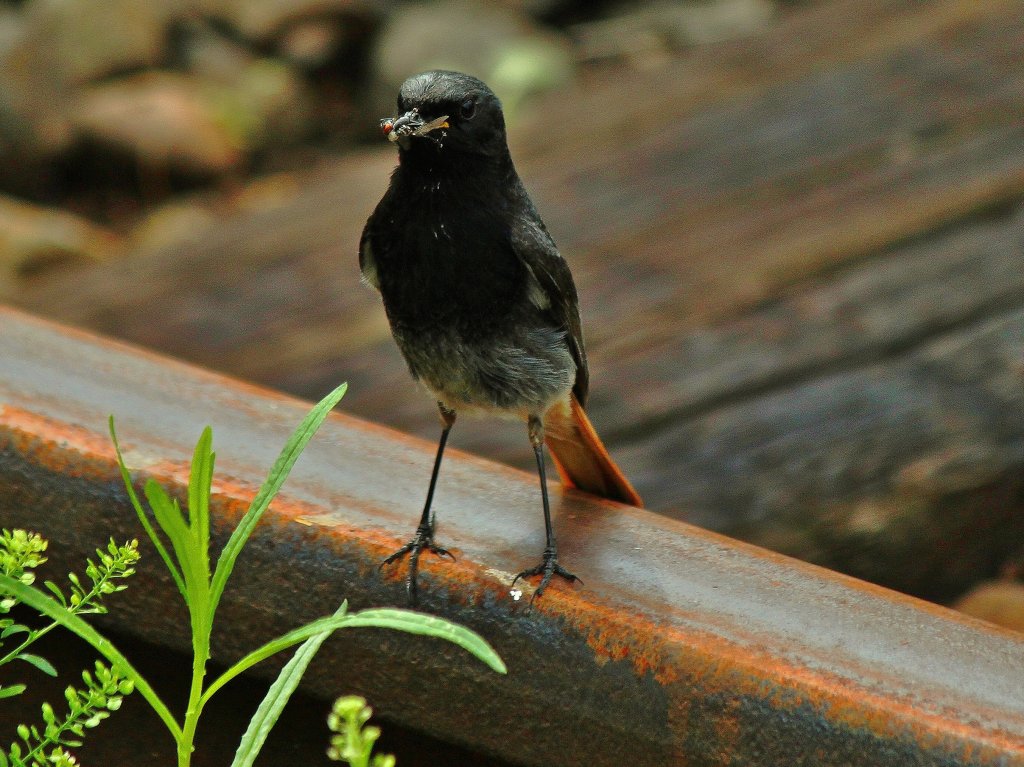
[
  {"x": 873, "y": 310},
  {"x": 907, "y": 472},
  {"x": 818, "y": 37},
  {"x": 745, "y": 196}
]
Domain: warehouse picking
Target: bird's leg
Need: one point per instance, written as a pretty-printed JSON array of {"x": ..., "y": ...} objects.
[
  {"x": 424, "y": 538},
  {"x": 549, "y": 566}
]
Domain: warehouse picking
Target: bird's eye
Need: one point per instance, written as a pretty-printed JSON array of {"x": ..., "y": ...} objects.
[{"x": 467, "y": 109}]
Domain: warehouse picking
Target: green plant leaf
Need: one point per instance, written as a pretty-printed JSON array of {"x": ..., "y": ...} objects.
[
  {"x": 39, "y": 662},
  {"x": 55, "y": 590},
  {"x": 277, "y": 696},
  {"x": 14, "y": 628},
  {"x": 196, "y": 561},
  {"x": 412, "y": 622},
  {"x": 11, "y": 690},
  {"x": 172, "y": 522},
  {"x": 278, "y": 474},
  {"x": 199, "y": 483},
  {"x": 274, "y": 646},
  {"x": 401, "y": 620},
  {"x": 49, "y": 607},
  {"x": 143, "y": 518}
]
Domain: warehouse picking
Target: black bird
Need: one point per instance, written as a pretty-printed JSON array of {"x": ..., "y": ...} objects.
[{"x": 481, "y": 303}]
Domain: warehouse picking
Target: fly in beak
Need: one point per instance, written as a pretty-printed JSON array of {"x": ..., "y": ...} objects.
[{"x": 402, "y": 128}]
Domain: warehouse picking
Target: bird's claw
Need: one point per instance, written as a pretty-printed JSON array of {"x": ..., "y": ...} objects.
[
  {"x": 547, "y": 569},
  {"x": 422, "y": 541}
]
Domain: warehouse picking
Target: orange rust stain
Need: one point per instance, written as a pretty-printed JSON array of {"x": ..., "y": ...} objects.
[
  {"x": 727, "y": 731},
  {"x": 707, "y": 664},
  {"x": 613, "y": 634},
  {"x": 710, "y": 664},
  {"x": 64, "y": 448}
]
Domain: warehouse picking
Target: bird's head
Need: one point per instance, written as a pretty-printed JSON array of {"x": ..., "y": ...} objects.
[{"x": 443, "y": 112}]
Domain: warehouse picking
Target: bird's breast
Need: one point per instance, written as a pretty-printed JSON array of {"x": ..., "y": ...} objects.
[{"x": 447, "y": 262}]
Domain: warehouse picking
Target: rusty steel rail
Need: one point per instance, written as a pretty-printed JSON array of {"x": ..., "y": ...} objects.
[{"x": 683, "y": 647}]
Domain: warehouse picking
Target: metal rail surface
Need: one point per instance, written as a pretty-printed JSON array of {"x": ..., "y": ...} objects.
[{"x": 682, "y": 647}]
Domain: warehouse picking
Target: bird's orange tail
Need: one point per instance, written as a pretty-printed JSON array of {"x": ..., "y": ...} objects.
[{"x": 581, "y": 458}]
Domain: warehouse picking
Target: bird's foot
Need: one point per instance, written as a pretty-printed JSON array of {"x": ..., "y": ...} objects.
[
  {"x": 547, "y": 569},
  {"x": 422, "y": 541}
]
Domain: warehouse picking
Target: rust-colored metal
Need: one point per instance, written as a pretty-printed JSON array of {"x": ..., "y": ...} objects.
[{"x": 683, "y": 647}]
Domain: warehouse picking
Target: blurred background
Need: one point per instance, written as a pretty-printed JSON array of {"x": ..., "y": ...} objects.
[{"x": 797, "y": 229}]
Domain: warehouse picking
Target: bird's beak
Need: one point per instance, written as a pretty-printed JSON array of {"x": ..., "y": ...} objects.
[
  {"x": 402, "y": 125},
  {"x": 410, "y": 124}
]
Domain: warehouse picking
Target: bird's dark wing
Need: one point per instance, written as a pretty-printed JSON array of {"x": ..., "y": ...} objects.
[
  {"x": 367, "y": 259},
  {"x": 551, "y": 289},
  {"x": 367, "y": 263}
]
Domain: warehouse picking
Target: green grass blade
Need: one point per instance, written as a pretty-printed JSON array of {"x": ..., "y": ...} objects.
[
  {"x": 429, "y": 625},
  {"x": 195, "y": 563},
  {"x": 274, "y": 646},
  {"x": 191, "y": 559},
  {"x": 38, "y": 661},
  {"x": 51, "y": 608},
  {"x": 171, "y": 521},
  {"x": 277, "y": 696},
  {"x": 199, "y": 483},
  {"x": 401, "y": 620},
  {"x": 282, "y": 467},
  {"x": 144, "y": 519}
]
